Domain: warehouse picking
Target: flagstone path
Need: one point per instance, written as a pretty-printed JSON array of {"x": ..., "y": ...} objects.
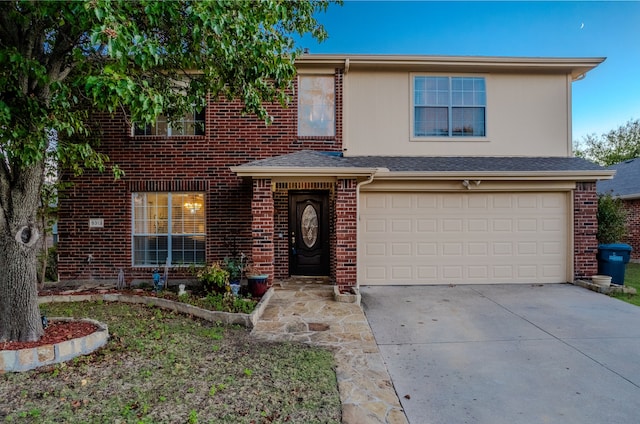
[{"x": 305, "y": 311}]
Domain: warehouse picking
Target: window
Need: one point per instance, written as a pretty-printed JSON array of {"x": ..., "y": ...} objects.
[
  {"x": 316, "y": 106},
  {"x": 168, "y": 225},
  {"x": 191, "y": 124},
  {"x": 449, "y": 106}
]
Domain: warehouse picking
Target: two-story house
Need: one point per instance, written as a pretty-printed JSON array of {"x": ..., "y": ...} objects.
[{"x": 383, "y": 170}]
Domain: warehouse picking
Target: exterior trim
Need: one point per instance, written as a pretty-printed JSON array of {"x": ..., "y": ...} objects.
[
  {"x": 273, "y": 171},
  {"x": 576, "y": 67},
  {"x": 498, "y": 175}
]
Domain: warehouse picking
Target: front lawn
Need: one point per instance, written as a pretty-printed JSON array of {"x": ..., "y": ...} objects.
[
  {"x": 631, "y": 279},
  {"x": 163, "y": 367}
]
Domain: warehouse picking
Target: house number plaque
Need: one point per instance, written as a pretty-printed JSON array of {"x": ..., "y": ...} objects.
[{"x": 96, "y": 222}]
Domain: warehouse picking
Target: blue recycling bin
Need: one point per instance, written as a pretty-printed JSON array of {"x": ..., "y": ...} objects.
[{"x": 613, "y": 259}]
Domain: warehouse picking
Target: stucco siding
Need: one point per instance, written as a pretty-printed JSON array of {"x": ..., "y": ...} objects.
[{"x": 522, "y": 111}]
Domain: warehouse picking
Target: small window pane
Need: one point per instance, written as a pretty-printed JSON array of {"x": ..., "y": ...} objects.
[
  {"x": 316, "y": 106},
  {"x": 468, "y": 122},
  {"x": 431, "y": 121}
]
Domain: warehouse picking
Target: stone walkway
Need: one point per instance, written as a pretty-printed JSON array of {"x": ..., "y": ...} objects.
[{"x": 305, "y": 311}]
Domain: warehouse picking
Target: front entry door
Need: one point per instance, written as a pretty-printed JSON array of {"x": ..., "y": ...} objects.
[{"x": 309, "y": 233}]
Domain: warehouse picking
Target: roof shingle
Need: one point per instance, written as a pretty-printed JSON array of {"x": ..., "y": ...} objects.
[{"x": 626, "y": 182}]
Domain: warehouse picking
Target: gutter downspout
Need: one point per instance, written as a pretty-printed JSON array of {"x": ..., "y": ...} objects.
[
  {"x": 345, "y": 109},
  {"x": 369, "y": 180}
]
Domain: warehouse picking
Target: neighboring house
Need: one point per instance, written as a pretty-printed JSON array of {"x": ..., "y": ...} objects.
[
  {"x": 384, "y": 170},
  {"x": 626, "y": 186}
]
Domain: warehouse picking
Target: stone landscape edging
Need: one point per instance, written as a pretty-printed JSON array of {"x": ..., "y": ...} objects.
[
  {"x": 228, "y": 318},
  {"x": 35, "y": 357},
  {"x": 31, "y": 358}
]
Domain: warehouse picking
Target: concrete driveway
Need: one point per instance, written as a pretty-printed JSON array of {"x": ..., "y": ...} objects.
[{"x": 508, "y": 353}]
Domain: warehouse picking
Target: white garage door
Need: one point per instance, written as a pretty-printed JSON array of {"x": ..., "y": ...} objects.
[{"x": 467, "y": 238}]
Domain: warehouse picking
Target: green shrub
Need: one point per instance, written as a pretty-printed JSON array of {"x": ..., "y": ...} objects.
[
  {"x": 214, "y": 278},
  {"x": 612, "y": 219},
  {"x": 229, "y": 303}
]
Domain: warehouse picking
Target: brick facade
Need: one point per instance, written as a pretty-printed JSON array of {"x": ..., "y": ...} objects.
[
  {"x": 262, "y": 228},
  {"x": 242, "y": 215},
  {"x": 585, "y": 228},
  {"x": 633, "y": 227},
  {"x": 182, "y": 163},
  {"x": 346, "y": 233}
]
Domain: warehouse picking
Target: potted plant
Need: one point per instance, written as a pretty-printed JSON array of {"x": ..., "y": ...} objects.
[
  {"x": 256, "y": 280},
  {"x": 234, "y": 268}
]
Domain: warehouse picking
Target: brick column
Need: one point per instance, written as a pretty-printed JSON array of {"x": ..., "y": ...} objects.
[
  {"x": 262, "y": 227},
  {"x": 585, "y": 228},
  {"x": 346, "y": 237}
]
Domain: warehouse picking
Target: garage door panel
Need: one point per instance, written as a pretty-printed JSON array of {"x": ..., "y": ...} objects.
[
  {"x": 478, "y": 271},
  {"x": 452, "y": 272},
  {"x": 375, "y": 226},
  {"x": 477, "y": 249},
  {"x": 402, "y": 249},
  {"x": 427, "y": 249},
  {"x": 551, "y": 225},
  {"x": 441, "y": 238},
  {"x": 551, "y": 248},
  {"x": 528, "y": 272},
  {"x": 527, "y": 248},
  {"x": 476, "y": 225},
  {"x": 426, "y": 225},
  {"x": 376, "y": 249}
]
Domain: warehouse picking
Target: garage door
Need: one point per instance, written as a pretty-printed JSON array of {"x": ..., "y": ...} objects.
[{"x": 467, "y": 238}]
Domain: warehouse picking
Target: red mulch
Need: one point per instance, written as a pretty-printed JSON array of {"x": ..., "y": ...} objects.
[{"x": 56, "y": 332}]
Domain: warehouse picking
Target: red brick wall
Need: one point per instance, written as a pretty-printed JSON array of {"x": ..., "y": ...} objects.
[
  {"x": 633, "y": 226},
  {"x": 585, "y": 228},
  {"x": 262, "y": 232},
  {"x": 281, "y": 236},
  {"x": 186, "y": 163},
  {"x": 346, "y": 237}
]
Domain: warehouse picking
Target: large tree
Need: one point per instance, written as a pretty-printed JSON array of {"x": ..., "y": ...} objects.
[
  {"x": 613, "y": 147},
  {"x": 62, "y": 61}
]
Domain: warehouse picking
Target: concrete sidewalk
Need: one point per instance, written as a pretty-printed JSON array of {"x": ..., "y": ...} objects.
[{"x": 508, "y": 353}]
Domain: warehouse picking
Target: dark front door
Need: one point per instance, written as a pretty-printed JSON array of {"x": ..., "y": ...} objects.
[{"x": 309, "y": 233}]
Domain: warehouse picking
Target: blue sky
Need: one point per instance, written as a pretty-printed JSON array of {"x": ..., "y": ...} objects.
[{"x": 608, "y": 97}]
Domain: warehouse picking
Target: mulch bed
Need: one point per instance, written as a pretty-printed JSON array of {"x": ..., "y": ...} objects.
[{"x": 56, "y": 332}]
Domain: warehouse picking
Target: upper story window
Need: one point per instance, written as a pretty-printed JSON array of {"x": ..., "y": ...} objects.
[
  {"x": 168, "y": 225},
  {"x": 191, "y": 124},
  {"x": 449, "y": 106},
  {"x": 316, "y": 106}
]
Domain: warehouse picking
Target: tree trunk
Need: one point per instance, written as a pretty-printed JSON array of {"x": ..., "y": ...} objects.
[
  {"x": 19, "y": 311},
  {"x": 19, "y": 243}
]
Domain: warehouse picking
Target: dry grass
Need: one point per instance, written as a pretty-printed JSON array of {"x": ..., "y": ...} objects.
[{"x": 161, "y": 367}]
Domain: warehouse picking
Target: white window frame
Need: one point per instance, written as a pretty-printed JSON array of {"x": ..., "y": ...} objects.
[
  {"x": 197, "y": 206},
  {"x": 450, "y": 135},
  {"x": 321, "y": 105}
]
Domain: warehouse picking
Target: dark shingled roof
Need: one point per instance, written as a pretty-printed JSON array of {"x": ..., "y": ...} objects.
[
  {"x": 305, "y": 159},
  {"x": 478, "y": 164},
  {"x": 626, "y": 182},
  {"x": 314, "y": 159}
]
